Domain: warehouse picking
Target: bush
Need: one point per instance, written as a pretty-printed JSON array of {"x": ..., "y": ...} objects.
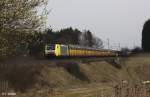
[{"x": 136, "y": 50}]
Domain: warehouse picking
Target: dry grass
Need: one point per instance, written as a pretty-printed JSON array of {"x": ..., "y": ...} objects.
[
  {"x": 86, "y": 79},
  {"x": 122, "y": 90}
]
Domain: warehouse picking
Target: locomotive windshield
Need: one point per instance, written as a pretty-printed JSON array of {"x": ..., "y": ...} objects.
[{"x": 50, "y": 47}]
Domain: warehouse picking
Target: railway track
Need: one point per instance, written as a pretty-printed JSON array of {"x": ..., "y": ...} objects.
[{"x": 115, "y": 60}]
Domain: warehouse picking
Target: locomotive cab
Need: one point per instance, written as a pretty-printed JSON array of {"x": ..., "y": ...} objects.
[{"x": 50, "y": 50}]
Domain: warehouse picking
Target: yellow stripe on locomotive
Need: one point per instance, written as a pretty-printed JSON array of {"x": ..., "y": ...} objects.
[{"x": 61, "y": 50}]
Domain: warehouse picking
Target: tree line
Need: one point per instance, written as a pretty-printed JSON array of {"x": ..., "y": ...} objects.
[
  {"x": 38, "y": 40},
  {"x": 32, "y": 44},
  {"x": 73, "y": 36}
]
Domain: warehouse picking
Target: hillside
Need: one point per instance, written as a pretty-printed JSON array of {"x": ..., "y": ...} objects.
[{"x": 29, "y": 75}]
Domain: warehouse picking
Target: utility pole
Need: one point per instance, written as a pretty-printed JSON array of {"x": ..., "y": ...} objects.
[
  {"x": 108, "y": 43},
  {"x": 119, "y": 47},
  {"x": 134, "y": 45}
]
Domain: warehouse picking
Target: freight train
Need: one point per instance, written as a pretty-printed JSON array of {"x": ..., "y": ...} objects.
[{"x": 61, "y": 50}]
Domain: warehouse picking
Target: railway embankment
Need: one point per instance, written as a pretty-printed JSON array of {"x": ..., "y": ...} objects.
[{"x": 29, "y": 74}]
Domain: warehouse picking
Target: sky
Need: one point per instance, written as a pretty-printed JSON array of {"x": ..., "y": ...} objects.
[{"x": 119, "y": 21}]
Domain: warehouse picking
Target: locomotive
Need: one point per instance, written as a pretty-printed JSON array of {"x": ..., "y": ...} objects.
[{"x": 62, "y": 50}]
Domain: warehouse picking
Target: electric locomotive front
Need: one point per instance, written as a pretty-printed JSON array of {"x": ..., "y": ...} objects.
[{"x": 50, "y": 50}]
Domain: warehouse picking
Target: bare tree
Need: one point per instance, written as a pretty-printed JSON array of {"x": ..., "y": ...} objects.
[
  {"x": 98, "y": 43},
  {"x": 89, "y": 40}
]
